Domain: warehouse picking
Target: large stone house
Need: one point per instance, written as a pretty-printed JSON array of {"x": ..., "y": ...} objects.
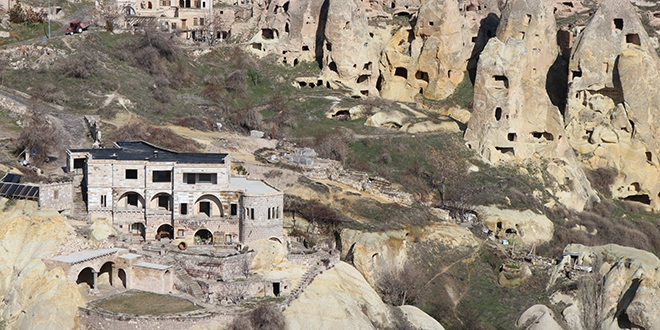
[{"x": 155, "y": 193}]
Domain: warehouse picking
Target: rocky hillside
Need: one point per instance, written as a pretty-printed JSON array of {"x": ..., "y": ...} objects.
[{"x": 463, "y": 145}]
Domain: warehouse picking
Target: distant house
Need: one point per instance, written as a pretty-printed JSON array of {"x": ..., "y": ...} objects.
[
  {"x": 154, "y": 193},
  {"x": 190, "y": 18}
]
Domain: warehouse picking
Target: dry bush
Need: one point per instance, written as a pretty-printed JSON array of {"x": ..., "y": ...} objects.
[
  {"x": 81, "y": 65},
  {"x": 162, "y": 94},
  {"x": 164, "y": 43},
  {"x": 48, "y": 92},
  {"x": 197, "y": 123},
  {"x": 162, "y": 137},
  {"x": 39, "y": 137},
  {"x": 264, "y": 317},
  {"x": 17, "y": 14},
  {"x": 335, "y": 145},
  {"x": 214, "y": 88},
  {"x": 602, "y": 179},
  {"x": 267, "y": 317},
  {"x": 148, "y": 59},
  {"x": 236, "y": 82},
  {"x": 401, "y": 286},
  {"x": 33, "y": 17},
  {"x": 184, "y": 77}
]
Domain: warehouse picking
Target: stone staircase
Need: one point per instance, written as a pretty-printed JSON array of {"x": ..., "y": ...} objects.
[{"x": 195, "y": 289}]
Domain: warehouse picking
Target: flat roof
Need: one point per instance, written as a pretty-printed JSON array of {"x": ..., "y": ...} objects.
[
  {"x": 141, "y": 150},
  {"x": 130, "y": 256},
  {"x": 250, "y": 186},
  {"x": 152, "y": 266},
  {"x": 83, "y": 256}
]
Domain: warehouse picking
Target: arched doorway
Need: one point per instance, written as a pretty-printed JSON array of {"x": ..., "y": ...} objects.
[
  {"x": 122, "y": 277},
  {"x": 107, "y": 268},
  {"x": 165, "y": 231},
  {"x": 86, "y": 276},
  {"x": 203, "y": 237},
  {"x": 138, "y": 229},
  {"x": 130, "y": 200}
]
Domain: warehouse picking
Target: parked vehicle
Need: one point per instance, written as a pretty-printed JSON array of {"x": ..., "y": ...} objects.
[{"x": 77, "y": 27}]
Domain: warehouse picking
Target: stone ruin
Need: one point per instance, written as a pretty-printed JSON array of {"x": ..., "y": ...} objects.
[
  {"x": 513, "y": 116},
  {"x": 613, "y": 102}
]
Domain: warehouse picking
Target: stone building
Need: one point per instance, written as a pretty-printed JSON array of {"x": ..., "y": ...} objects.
[
  {"x": 154, "y": 193},
  {"x": 190, "y": 18}
]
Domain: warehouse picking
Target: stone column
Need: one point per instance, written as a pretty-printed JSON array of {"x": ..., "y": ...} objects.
[{"x": 94, "y": 287}]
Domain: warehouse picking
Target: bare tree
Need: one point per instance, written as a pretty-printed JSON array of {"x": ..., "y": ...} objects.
[
  {"x": 401, "y": 285},
  {"x": 590, "y": 295},
  {"x": 38, "y": 137}
]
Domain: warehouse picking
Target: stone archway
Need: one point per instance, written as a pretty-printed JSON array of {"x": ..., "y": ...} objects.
[
  {"x": 203, "y": 237},
  {"x": 122, "y": 277},
  {"x": 107, "y": 268},
  {"x": 161, "y": 201},
  {"x": 130, "y": 200},
  {"x": 86, "y": 276},
  {"x": 208, "y": 205},
  {"x": 165, "y": 231}
]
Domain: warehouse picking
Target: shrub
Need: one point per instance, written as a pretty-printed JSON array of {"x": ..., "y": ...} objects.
[
  {"x": 48, "y": 92},
  {"x": 264, "y": 317},
  {"x": 39, "y": 136},
  {"x": 16, "y": 14},
  {"x": 82, "y": 65}
]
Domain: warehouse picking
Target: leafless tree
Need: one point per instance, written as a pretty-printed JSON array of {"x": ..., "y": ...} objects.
[
  {"x": 590, "y": 295},
  {"x": 39, "y": 136},
  {"x": 401, "y": 285}
]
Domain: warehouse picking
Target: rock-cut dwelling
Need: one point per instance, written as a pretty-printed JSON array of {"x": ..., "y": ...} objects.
[{"x": 153, "y": 193}]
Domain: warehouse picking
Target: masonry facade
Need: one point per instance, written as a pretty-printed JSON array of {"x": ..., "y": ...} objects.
[{"x": 154, "y": 193}]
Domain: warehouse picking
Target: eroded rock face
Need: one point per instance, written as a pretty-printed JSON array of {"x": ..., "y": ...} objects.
[
  {"x": 629, "y": 285},
  {"x": 340, "y": 298},
  {"x": 432, "y": 57},
  {"x": 290, "y": 29},
  {"x": 613, "y": 100},
  {"x": 33, "y": 296},
  {"x": 350, "y": 49},
  {"x": 526, "y": 226},
  {"x": 514, "y": 117}
]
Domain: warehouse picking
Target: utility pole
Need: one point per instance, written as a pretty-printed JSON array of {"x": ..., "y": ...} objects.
[{"x": 49, "y": 12}]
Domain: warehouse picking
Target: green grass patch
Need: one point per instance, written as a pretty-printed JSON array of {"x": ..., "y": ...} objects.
[{"x": 22, "y": 32}]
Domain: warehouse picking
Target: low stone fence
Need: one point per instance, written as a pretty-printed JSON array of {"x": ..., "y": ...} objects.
[{"x": 97, "y": 319}]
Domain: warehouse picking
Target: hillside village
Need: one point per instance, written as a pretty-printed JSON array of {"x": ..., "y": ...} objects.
[{"x": 290, "y": 164}]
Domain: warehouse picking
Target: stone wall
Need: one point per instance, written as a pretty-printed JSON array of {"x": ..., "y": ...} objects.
[
  {"x": 151, "y": 279},
  {"x": 94, "y": 319},
  {"x": 56, "y": 196},
  {"x": 209, "y": 267}
]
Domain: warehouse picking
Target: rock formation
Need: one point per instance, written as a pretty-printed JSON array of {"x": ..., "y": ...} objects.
[
  {"x": 291, "y": 29},
  {"x": 340, "y": 298},
  {"x": 526, "y": 227},
  {"x": 513, "y": 116},
  {"x": 350, "y": 49},
  {"x": 33, "y": 296},
  {"x": 624, "y": 287},
  {"x": 432, "y": 58},
  {"x": 613, "y": 100}
]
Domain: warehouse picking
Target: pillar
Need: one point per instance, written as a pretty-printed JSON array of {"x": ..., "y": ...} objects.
[{"x": 96, "y": 277}]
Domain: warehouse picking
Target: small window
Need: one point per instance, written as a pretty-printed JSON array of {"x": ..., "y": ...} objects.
[
  {"x": 269, "y": 213},
  {"x": 104, "y": 201},
  {"x": 227, "y": 238},
  {"x": 194, "y": 21},
  {"x": 184, "y": 208},
  {"x": 233, "y": 209},
  {"x": 162, "y": 176},
  {"x": 201, "y": 21},
  {"x": 252, "y": 214},
  {"x": 189, "y": 178},
  {"x": 173, "y": 26},
  {"x": 56, "y": 194},
  {"x": 179, "y": 233},
  {"x": 633, "y": 38},
  {"x": 131, "y": 174},
  {"x": 618, "y": 23},
  {"x": 207, "y": 178}
]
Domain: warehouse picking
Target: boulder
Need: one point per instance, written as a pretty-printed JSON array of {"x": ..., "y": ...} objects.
[
  {"x": 514, "y": 117},
  {"x": 538, "y": 317},
  {"x": 613, "y": 102},
  {"x": 526, "y": 226},
  {"x": 419, "y": 319}
]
